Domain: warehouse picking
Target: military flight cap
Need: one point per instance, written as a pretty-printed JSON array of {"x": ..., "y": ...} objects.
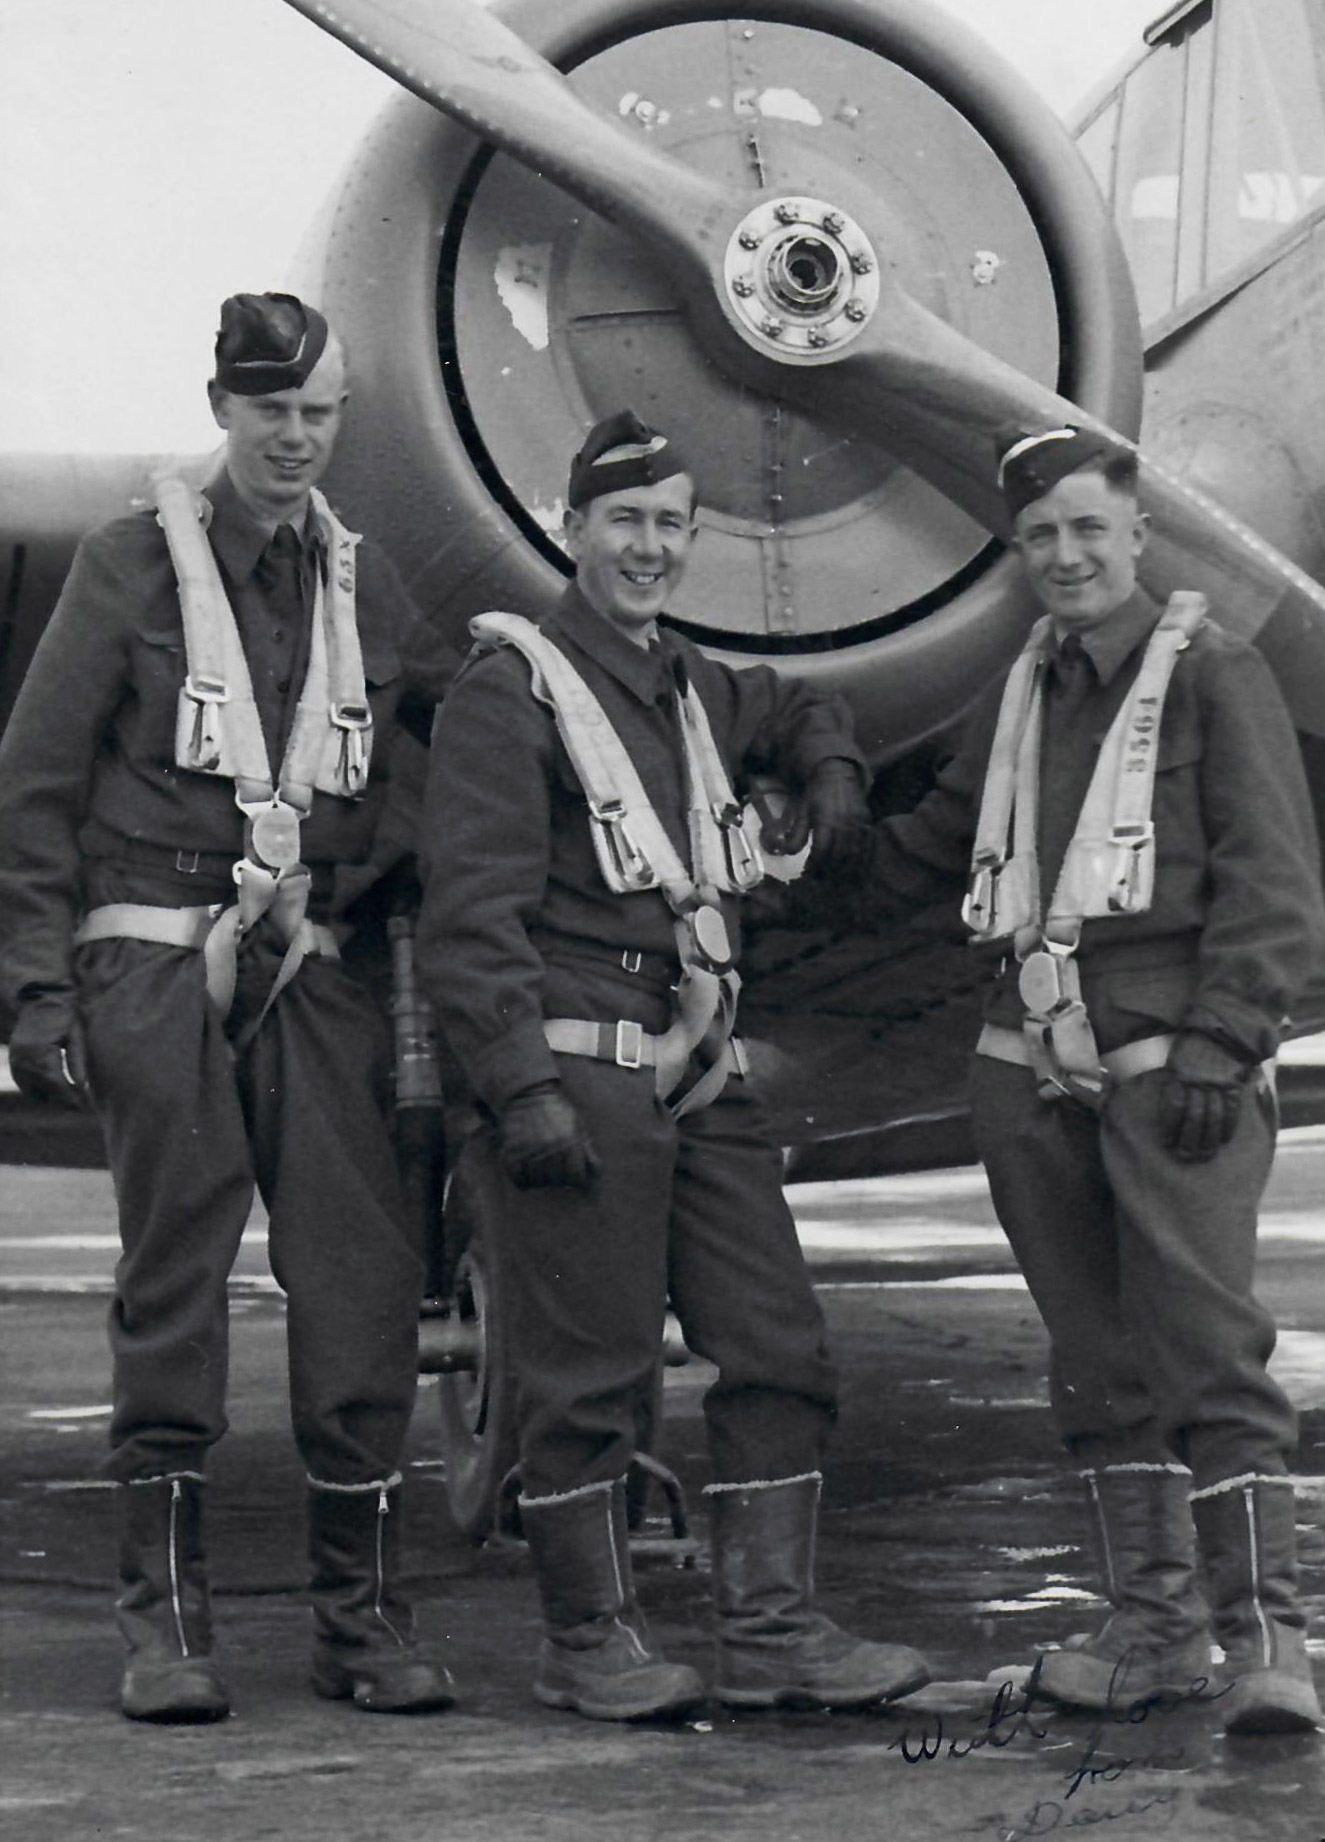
[
  {"x": 619, "y": 452},
  {"x": 267, "y": 342},
  {"x": 1032, "y": 461}
]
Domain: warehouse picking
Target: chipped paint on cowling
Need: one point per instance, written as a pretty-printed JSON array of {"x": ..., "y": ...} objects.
[
  {"x": 550, "y": 518},
  {"x": 777, "y": 105},
  {"x": 646, "y": 112},
  {"x": 521, "y": 277}
]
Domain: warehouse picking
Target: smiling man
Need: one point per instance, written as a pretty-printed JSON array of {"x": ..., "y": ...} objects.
[
  {"x": 201, "y": 743},
  {"x": 1129, "y": 817},
  {"x": 586, "y": 857}
]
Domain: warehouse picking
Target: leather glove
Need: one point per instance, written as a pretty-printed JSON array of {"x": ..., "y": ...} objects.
[
  {"x": 541, "y": 1141},
  {"x": 833, "y": 808},
  {"x": 46, "y": 1054},
  {"x": 1201, "y": 1096}
]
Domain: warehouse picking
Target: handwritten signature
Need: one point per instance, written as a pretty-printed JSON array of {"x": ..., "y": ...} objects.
[{"x": 1043, "y": 1818}]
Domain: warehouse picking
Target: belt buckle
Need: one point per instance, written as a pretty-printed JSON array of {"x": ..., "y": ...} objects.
[{"x": 629, "y": 1044}]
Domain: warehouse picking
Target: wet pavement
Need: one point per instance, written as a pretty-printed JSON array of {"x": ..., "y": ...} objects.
[{"x": 949, "y": 1522}]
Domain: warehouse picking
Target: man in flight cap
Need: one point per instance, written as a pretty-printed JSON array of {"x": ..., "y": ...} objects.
[
  {"x": 1129, "y": 816},
  {"x": 201, "y": 743},
  {"x": 586, "y": 853}
]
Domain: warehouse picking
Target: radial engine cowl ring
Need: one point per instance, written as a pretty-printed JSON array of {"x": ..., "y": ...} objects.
[{"x": 801, "y": 278}]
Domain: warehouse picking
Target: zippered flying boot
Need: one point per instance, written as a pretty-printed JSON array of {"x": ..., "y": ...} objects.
[
  {"x": 1248, "y": 1536},
  {"x": 363, "y": 1646},
  {"x": 1156, "y": 1639},
  {"x": 773, "y": 1648},
  {"x": 164, "y": 1608},
  {"x": 597, "y": 1658}
]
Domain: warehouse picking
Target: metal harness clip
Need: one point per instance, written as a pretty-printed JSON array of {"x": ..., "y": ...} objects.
[{"x": 629, "y": 1044}]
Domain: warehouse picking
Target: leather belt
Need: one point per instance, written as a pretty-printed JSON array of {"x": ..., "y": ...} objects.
[
  {"x": 1005, "y": 1045},
  {"x": 627, "y": 1044}
]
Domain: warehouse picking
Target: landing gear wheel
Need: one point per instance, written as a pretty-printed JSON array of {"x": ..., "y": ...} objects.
[{"x": 478, "y": 1404}]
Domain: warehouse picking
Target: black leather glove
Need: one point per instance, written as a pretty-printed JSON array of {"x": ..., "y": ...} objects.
[
  {"x": 46, "y": 1054},
  {"x": 541, "y": 1141},
  {"x": 1201, "y": 1097},
  {"x": 839, "y": 818}
]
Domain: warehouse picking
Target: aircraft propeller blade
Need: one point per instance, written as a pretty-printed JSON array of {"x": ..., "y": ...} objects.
[
  {"x": 872, "y": 360},
  {"x": 934, "y": 399},
  {"x": 458, "y": 57}
]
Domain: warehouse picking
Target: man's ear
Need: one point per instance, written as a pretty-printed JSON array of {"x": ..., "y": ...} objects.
[
  {"x": 220, "y": 402},
  {"x": 1140, "y": 533},
  {"x": 572, "y": 526}
]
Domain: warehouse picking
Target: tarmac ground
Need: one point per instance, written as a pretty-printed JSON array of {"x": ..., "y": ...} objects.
[{"x": 950, "y": 1522}]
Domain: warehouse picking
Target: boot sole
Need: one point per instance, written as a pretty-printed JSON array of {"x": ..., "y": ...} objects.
[
  {"x": 200, "y": 1714},
  {"x": 673, "y": 1707},
  {"x": 342, "y": 1686},
  {"x": 810, "y": 1701}
]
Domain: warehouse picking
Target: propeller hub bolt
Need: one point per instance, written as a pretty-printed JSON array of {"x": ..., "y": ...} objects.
[
  {"x": 744, "y": 287},
  {"x": 786, "y": 213},
  {"x": 774, "y": 328},
  {"x": 855, "y": 310},
  {"x": 834, "y": 223},
  {"x": 748, "y": 240},
  {"x": 818, "y": 337},
  {"x": 862, "y": 264}
]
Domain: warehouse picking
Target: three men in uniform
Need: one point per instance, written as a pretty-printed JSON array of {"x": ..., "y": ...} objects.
[{"x": 202, "y": 741}]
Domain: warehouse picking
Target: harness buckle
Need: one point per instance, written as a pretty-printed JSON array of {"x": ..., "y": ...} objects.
[
  {"x": 1134, "y": 852},
  {"x": 743, "y": 865},
  {"x": 273, "y": 834},
  {"x": 629, "y": 1044},
  {"x": 979, "y": 906},
  {"x": 203, "y": 747},
  {"x": 609, "y": 819},
  {"x": 355, "y": 721}
]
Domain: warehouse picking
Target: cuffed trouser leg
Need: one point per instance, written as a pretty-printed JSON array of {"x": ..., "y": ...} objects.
[
  {"x": 1141, "y": 1267},
  {"x": 694, "y": 1208},
  {"x": 314, "y": 1090},
  {"x": 162, "y": 1074},
  {"x": 741, "y": 1290}
]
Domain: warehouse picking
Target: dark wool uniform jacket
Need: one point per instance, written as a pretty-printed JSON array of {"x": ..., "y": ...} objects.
[
  {"x": 1236, "y": 926},
  {"x": 514, "y": 890},
  {"x": 88, "y": 781}
]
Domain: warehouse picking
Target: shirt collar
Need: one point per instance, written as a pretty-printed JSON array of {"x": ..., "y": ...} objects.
[
  {"x": 1118, "y": 635},
  {"x": 236, "y": 535},
  {"x": 643, "y": 670}
]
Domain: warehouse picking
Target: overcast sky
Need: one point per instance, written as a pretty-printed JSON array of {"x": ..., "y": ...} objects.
[{"x": 157, "y": 154}]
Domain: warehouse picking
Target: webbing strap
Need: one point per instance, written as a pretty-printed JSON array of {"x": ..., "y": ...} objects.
[
  {"x": 633, "y": 848},
  {"x": 214, "y": 931},
  {"x": 1001, "y": 884},
  {"x": 631, "y": 843},
  {"x": 1109, "y": 865}
]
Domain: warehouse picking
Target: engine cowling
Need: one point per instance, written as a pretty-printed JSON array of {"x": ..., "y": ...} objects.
[{"x": 490, "y": 319}]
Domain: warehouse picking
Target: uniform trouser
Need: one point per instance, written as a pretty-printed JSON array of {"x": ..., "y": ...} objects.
[
  {"x": 189, "y": 1129},
  {"x": 692, "y": 1210},
  {"x": 1141, "y": 1267}
]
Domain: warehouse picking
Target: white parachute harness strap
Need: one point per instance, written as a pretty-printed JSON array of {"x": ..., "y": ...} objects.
[
  {"x": 1109, "y": 865},
  {"x": 218, "y": 729},
  {"x": 634, "y": 851},
  {"x": 1006, "y": 883}
]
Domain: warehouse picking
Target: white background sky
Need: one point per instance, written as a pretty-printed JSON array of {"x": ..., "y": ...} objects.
[{"x": 156, "y": 155}]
